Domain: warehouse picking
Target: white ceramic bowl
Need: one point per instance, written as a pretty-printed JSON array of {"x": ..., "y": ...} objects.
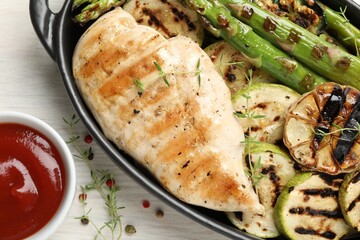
[{"x": 69, "y": 167}]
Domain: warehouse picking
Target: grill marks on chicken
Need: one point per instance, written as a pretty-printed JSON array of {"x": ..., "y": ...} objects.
[{"x": 185, "y": 134}]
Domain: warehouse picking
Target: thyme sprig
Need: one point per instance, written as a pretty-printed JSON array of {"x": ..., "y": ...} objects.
[
  {"x": 230, "y": 63},
  {"x": 339, "y": 129},
  {"x": 254, "y": 171},
  {"x": 354, "y": 38},
  {"x": 102, "y": 181},
  {"x": 162, "y": 74},
  {"x": 198, "y": 72},
  {"x": 139, "y": 84}
]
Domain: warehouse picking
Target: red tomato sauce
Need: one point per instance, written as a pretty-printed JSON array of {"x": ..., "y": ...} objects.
[{"x": 31, "y": 181}]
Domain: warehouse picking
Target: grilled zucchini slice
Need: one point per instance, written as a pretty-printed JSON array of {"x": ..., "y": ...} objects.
[
  {"x": 169, "y": 17},
  {"x": 269, "y": 100},
  {"x": 277, "y": 169},
  {"x": 322, "y": 129},
  {"x": 349, "y": 199},
  {"x": 234, "y": 65},
  {"x": 308, "y": 208}
]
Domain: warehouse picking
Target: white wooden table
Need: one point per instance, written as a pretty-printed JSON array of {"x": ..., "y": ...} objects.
[{"x": 30, "y": 83}]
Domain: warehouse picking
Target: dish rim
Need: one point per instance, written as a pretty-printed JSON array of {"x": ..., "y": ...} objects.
[{"x": 51, "y": 30}]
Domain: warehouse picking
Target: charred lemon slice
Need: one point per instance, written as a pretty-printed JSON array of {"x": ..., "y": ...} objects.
[
  {"x": 349, "y": 199},
  {"x": 322, "y": 129}
]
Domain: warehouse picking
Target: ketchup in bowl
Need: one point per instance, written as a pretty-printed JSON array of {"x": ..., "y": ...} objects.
[{"x": 32, "y": 181}]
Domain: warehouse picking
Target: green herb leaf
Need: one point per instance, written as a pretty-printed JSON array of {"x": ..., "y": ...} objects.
[
  {"x": 258, "y": 116},
  {"x": 240, "y": 115},
  {"x": 198, "y": 72},
  {"x": 98, "y": 183},
  {"x": 139, "y": 84},
  {"x": 161, "y": 73}
]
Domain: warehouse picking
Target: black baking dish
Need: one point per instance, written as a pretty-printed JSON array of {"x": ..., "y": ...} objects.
[{"x": 59, "y": 35}]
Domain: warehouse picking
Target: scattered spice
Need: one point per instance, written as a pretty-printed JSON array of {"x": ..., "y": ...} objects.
[
  {"x": 159, "y": 213},
  {"x": 130, "y": 229},
  {"x": 84, "y": 220},
  {"x": 88, "y": 139},
  {"x": 110, "y": 182},
  {"x": 146, "y": 204},
  {"x": 82, "y": 197},
  {"x": 101, "y": 181}
]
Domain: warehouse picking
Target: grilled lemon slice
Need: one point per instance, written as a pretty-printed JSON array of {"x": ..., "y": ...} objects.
[
  {"x": 308, "y": 208},
  {"x": 277, "y": 168},
  {"x": 322, "y": 129},
  {"x": 349, "y": 199}
]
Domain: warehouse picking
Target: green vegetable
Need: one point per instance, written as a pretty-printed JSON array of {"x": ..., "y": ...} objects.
[
  {"x": 273, "y": 105},
  {"x": 308, "y": 208},
  {"x": 92, "y": 9},
  {"x": 218, "y": 20},
  {"x": 342, "y": 29},
  {"x": 277, "y": 168},
  {"x": 233, "y": 66},
  {"x": 349, "y": 199},
  {"x": 322, "y": 57}
]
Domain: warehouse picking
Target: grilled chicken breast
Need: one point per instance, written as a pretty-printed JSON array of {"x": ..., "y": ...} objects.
[{"x": 163, "y": 102}]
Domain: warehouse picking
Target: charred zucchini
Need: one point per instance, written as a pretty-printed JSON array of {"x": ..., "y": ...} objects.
[
  {"x": 168, "y": 17},
  {"x": 234, "y": 65},
  {"x": 322, "y": 129},
  {"x": 269, "y": 100},
  {"x": 349, "y": 199},
  {"x": 277, "y": 168},
  {"x": 308, "y": 208}
]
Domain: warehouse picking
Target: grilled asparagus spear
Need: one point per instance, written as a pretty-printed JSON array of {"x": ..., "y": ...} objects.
[
  {"x": 344, "y": 31},
  {"x": 92, "y": 9},
  {"x": 319, "y": 55},
  {"x": 218, "y": 20}
]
